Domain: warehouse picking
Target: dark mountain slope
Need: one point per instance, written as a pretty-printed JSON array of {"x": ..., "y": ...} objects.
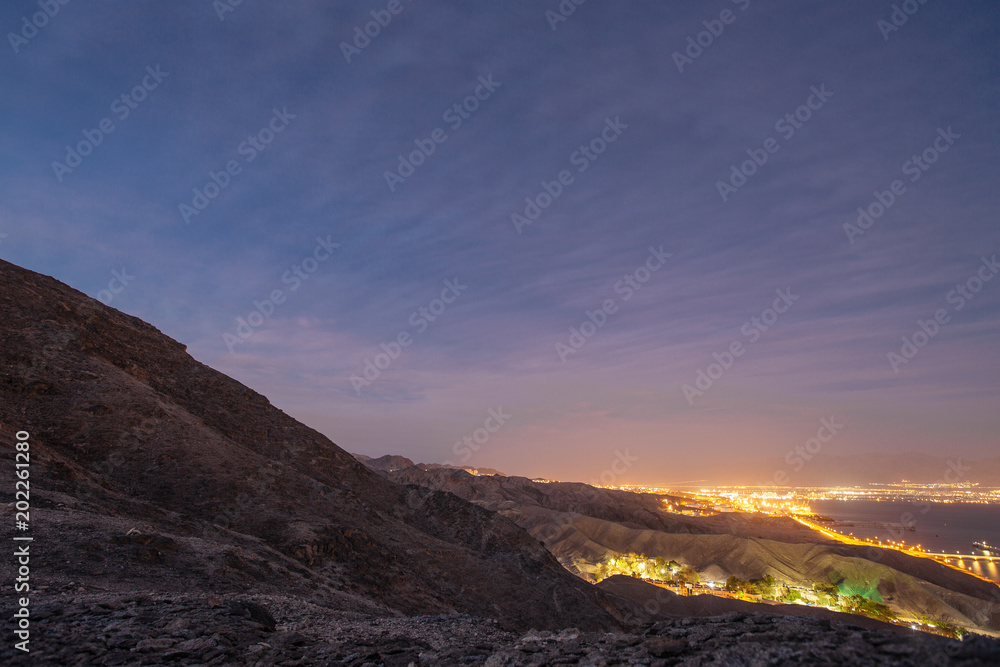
[
  {"x": 640, "y": 510},
  {"x": 127, "y": 430}
]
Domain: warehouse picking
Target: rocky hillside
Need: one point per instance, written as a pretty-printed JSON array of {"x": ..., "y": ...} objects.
[
  {"x": 584, "y": 525},
  {"x": 178, "y": 517},
  {"x": 394, "y": 462},
  {"x": 96, "y": 629},
  {"x": 151, "y": 471},
  {"x": 515, "y": 494}
]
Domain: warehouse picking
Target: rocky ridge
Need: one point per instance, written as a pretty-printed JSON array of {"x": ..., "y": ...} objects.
[
  {"x": 583, "y": 526},
  {"x": 96, "y": 628},
  {"x": 180, "y": 518}
]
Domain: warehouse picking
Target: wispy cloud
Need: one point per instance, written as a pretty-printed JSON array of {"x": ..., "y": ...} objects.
[{"x": 656, "y": 185}]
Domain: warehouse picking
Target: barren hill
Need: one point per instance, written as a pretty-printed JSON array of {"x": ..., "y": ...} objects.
[
  {"x": 129, "y": 433},
  {"x": 672, "y": 605},
  {"x": 178, "y": 517},
  {"x": 583, "y": 526}
]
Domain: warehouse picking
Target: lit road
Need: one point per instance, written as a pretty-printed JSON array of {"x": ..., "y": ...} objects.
[
  {"x": 942, "y": 558},
  {"x": 991, "y": 559}
]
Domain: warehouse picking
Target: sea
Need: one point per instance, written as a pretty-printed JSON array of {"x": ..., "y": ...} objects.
[{"x": 938, "y": 527}]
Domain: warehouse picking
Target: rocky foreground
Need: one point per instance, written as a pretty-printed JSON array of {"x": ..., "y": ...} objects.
[
  {"x": 177, "y": 517},
  {"x": 93, "y": 628}
]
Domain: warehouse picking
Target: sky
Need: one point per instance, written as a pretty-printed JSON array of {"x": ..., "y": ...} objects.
[{"x": 597, "y": 241}]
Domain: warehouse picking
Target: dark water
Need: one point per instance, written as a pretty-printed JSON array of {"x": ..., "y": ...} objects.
[{"x": 939, "y": 527}]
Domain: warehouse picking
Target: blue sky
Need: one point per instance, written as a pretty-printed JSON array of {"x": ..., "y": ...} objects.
[{"x": 345, "y": 124}]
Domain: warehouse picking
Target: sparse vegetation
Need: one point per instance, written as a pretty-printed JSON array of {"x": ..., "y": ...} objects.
[
  {"x": 943, "y": 628},
  {"x": 828, "y": 588},
  {"x": 858, "y": 604},
  {"x": 765, "y": 587},
  {"x": 634, "y": 565},
  {"x": 827, "y": 594}
]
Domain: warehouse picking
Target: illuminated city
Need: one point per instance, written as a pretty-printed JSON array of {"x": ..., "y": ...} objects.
[{"x": 797, "y": 503}]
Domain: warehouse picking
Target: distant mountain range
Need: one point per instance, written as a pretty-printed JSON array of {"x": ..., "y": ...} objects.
[
  {"x": 822, "y": 470},
  {"x": 585, "y": 526},
  {"x": 860, "y": 469},
  {"x": 394, "y": 462}
]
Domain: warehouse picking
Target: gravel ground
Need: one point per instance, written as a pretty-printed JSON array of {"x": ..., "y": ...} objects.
[{"x": 87, "y": 628}]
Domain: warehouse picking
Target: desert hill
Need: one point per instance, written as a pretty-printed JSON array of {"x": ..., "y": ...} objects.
[
  {"x": 584, "y": 526},
  {"x": 510, "y": 493},
  {"x": 129, "y": 433},
  {"x": 670, "y": 604},
  {"x": 394, "y": 462},
  {"x": 178, "y": 517}
]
